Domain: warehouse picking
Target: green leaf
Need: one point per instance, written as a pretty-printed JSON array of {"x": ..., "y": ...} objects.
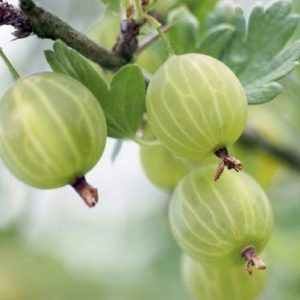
[
  {"x": 126, "y": 107},
  {"x": 67, "y": 61},
  {"x": 215, "y": 41},
  {"x": 123, "y": 102},
  {"x": 259, "y": 53},
  {"x": 183, "y": 36}
]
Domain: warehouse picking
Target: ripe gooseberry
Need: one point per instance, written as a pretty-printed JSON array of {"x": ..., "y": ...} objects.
[
  {"x": 222, "y": 223},
  {"x": 196, "y": 106},
  {"x": 52, "y": 132},
  {"x": 215, "y": 283}
]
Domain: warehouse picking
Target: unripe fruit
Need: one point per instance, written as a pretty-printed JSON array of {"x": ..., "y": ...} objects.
[
  {"x": 161, "y": 167},
  {"x": 196, "y": 105},
  {"x": 164, "y": 169},
  {"x": 223, "y": 222},
  {"x": 52, "y": 130},
  {"x": 210, "y": 283}
]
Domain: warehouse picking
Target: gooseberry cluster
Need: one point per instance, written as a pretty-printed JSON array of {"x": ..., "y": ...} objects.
[
  {"x": 196, "y": 107},
  {"x": 54, "y": 126},
  {"x": 53, "y": 131}
]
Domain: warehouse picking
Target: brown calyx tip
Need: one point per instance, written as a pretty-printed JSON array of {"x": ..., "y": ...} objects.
[
  {"x": 252, "y": 259},
  {"x": 228, "y": 162},
  {"x": 86, "y": 191}
]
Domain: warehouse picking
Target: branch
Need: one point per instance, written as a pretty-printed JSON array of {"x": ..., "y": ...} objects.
[
  {"x": 48, "y": 26},
  {"x": 291, "y": 158}
]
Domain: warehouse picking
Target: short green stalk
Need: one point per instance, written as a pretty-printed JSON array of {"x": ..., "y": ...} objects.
[
  {"x": 124, "y": 6},
  {"x": 14, "y": 74},
  {"x": 161, "y": 34},
  {"x": 139, "y": 11}
]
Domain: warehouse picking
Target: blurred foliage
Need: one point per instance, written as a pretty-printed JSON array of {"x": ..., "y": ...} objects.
[{"x": 26, "y": 276}]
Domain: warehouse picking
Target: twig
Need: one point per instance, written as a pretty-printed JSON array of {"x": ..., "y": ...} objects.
[
  {"x": 127, "y": 42},
  {"x": 46, "y": 25}
]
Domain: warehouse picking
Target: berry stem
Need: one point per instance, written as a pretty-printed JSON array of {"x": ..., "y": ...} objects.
[
  {"x": 228, "y": 162},
  {"x": 139, "y": 11},
  {"x": 252, "y": 259},
  {"x": 154, "y": 23},
  {"x": 9, "y": 65},
  {"x": 86, "y": 191}
]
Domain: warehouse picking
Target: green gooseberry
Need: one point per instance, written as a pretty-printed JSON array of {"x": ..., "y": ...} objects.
[
  {"x": 221, "y": 223},
  {"x": 217, "y": 283},
  {"x": 52, "y": 132},
  {"x": 196, "y": 106}
]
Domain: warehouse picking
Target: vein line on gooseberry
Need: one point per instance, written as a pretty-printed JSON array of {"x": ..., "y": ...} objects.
[
  {"x": 208, "y": 86},
  {"x": 185, "y": 134},
  {"x": 198, "y": 237},
  {"x": 13, "y": 159},
  {"x": 191, "y": 246},
  {"x": 219, "y": 227},
  {"x": 165, "y": 130},
  {"x": 58, "y": 121},
  {"x": 191, "y": 94},
  {"x": 203, "y": 224},
  {"x": 251, "y": 208},
  {"x": 234, "y": 229},
  {"x": 37, "y": 147},
  {"x": 169, "y": 81}
]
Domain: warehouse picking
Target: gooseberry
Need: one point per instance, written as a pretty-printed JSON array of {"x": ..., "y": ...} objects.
[
  {"x": 196, "y": 106},
  {"x": 161, "y": 167},
  {"x": 222, "y": 223},
  {"x": 217, "y": 283},
  {"x": 52, "y": 132}
]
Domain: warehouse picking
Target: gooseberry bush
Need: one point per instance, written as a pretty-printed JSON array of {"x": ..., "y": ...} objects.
[{"x": 177, "y": 78}]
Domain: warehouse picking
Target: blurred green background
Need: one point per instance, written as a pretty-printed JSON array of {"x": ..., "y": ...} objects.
[{"x": 53, "y": 247}]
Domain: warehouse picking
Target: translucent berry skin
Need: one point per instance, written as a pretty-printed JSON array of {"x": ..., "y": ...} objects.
[
  {"x": 196, "y": 105},
  {"x": 215, "y": 283},
  {"x": 214, "y": 222},
  {"x": 161, "y": 167},
  {"x": 52, "y": 130}
]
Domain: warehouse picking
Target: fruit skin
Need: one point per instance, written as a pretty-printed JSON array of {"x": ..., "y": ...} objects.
[
  {"x": 52, "y": 130},
  {"x": 161, "y": 167},
  {"x": 211, "y": 283},
  {"x": 214, "y": 222},
  {"x": 196, "y": 105},
  {"x": 164, "y": 169}
]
